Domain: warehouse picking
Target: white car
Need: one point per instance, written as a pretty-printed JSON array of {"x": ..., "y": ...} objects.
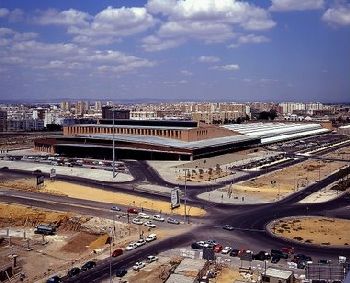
[
  {"x": 140, "y": 242},
  {"x": 131, "y": 246},
  {"x": 137, "y": 221},
  {"x": 138, "y": 265},
  {"x": 151, "y": 237},
  {"x": 152, "y": 258},
  {"x": 143, "y": 215},
  {"x": 158, "y": 218},
  {"x": 150, "y": 224},
  {"x": 226, "y": 250}
]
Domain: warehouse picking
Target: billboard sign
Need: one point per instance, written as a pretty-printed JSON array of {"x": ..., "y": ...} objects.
[
  {"x": 175, "y": 198},
  {"x": 40, "y": 180},
  {"x": 53, "y": 173}
]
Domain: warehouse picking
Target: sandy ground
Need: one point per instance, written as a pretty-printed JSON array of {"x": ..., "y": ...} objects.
[
  {"x": 93, "y": 174},
  {"x": 314, "y": 230},
  {"x": 342, "y": 153},
  {"x": 94, "y": 194},
  {"x": 285, "y": 181},
  {"x": 324, "y": 195}
]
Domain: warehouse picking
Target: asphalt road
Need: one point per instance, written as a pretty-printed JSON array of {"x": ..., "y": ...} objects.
[{"x": 249, "y": 221}]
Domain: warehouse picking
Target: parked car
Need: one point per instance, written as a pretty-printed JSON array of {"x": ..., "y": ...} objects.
[
  {"x": 288, "y": 250},
  {"x": 196, "y": 246},
  {"x": 218, "y": 248},
  {"x": 120, "y": 272},
  {"x": 138, "y": 265},
  {"x": 278, "y": 253},
  {"x": 152, "y": 258},
  {"x": 151, "y": 237},
  {"x": 325, "y": 261},
  {"x": 234, "y": 252},
  {"x": 137, "y": 221},
  {"x": 228, "y": 227},
  {"x": 262, "y": 255},
  {"x": 115, "y": 208},
  {"x": 132, "y": 210},
  {"x": 54, "y": 279},
  {"x": 301, "y": 257},
  {"x": 73, "y": 272},
  {"x": 150, "y": 224},
  {"x": 117, "y": 252},
  {"x": 226, "y": 250},
  {"x": 88, "y": 265},
  {"x": 143, "y": 215},
  {"x": 157, "y": 217},
  {"x": 140, "y": 242},
  {"x": 131, "y": 246},
  {"x": 275, "y": 259},
  {"x": 173, "y": 221}
]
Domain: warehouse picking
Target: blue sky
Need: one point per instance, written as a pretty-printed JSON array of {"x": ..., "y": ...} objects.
[{"x": 278, "y": 50}]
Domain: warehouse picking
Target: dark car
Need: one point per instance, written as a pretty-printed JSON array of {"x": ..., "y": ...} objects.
[
  {"x": 234, "y": 252},
  {"x": 196, "y": 246},
  {"x": 117, "y": 252},
  {"x": 275, "y": 259},
  {"x": 88, "y": 265},
  {"x": 325, "y": 261},
  {"x": 301, "y": 257},
  {"x": 132, "y": 210},
  {"x": 262, "y": 255},
  {"x": 279, "y": 253},
  {"x": 54, "y": 279},
  {"x": 301, "y": 264},
  {"x": 120, "y": 272},
  {"x": 228, "y": 227},
  {"x": 73, "y": 272}
]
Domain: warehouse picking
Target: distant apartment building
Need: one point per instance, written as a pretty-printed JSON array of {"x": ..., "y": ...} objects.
[
  {"x": 143, "y": 115},
  {"x": 98, "y": 106},
  {"x": 3, "y": 121},
  {"x": 81, "y": 108},
  {"x": 39, "y": 113},
  {"x": 65, "y": 106},
  {"x": 25, "y": 125},
  {"x": 298, "y": 107},
  {"x": 217, "y": 117},
  {"x": 119, "y": 114}
]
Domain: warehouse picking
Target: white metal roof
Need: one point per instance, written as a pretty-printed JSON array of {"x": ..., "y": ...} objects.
[{"x": 278, "y": 273}]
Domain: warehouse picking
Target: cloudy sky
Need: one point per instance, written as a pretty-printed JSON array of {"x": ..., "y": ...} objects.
[{"x": 175, "y": 49}]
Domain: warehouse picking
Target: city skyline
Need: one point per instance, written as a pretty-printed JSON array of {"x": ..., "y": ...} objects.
[{"x": 279, "y": 50}]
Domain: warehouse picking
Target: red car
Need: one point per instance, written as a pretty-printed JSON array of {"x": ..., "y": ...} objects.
[
  {"x": 288, "y": 250},
  {"x": 117, "y": 252},
  {"x": 218, "y": 248},
  {"x": 132, "y": 210}
]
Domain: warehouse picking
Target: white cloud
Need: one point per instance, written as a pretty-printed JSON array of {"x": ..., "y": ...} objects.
[
  {"x": 249, "y": 38},
  {"x": 208, "y": 59},
  {"x": 186, "y": 73},
  {"x": 23, "y": 49},
  {"x": 4, "y": 12},
  {"x": 339, "y": 15},
  {"x": 66, "y": 18},
  {"x": 153, "y": 43},
  {"x": 228, "y": 68},
  {"x": 211, "y": 21},
  {"x": 296, "y": 5}
]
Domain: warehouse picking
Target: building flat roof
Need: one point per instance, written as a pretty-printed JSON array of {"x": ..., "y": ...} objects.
[
  {"x": 132, "y": 127},
  {"x": 155, "y": 140},
  {"x": 278, "y": 273}
]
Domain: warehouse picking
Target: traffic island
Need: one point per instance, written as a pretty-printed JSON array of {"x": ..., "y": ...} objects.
[{"x": 313, "y": 230}]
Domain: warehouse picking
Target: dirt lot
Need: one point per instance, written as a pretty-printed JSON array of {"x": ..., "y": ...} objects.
[
  {"x": 342, "y": 153},
  {"x": 283, "y": 182},
  {"x": 314, "y": 230},
  {"x": 20, "y": 140},
  {"x": 74, "y": 243},
  {"x": 94, "y": 194}
]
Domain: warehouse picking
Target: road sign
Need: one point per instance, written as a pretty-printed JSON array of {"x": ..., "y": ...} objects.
[
  {"x": 53, "y": 173},
  {"x": 175, "y": 198},
  {"x": 40, "y": 180}
]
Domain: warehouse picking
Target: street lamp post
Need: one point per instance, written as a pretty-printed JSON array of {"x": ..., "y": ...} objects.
[
  {"x": 185, "y": 193},
  {"x": 113, "y": 113}
]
